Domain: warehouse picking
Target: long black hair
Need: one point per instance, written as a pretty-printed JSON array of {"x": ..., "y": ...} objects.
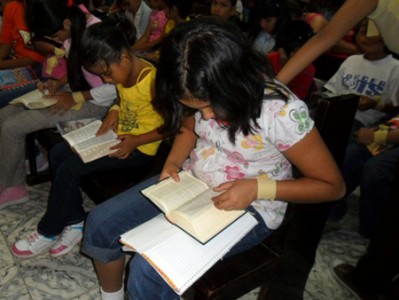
[
  {"x": 103, "y": 43},
  {"x": 46, "y": 17},
  {"x": 210, "y": 60}
]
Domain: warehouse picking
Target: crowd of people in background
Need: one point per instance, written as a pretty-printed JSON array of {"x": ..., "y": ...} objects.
[{"x": 100, "y": 77}]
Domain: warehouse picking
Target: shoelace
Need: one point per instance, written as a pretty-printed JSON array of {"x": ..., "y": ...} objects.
[
  {"x": 65, "y": 237},
  {"x": 33, "y": 238}
]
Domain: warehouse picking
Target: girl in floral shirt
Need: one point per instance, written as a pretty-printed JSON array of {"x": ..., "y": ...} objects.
[{"x": 236, "y": 129}]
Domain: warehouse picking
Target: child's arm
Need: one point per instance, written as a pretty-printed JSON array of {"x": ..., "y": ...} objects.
[
  {"x": 183, "y": 143},
  {"x": 320, "y": 180},
  {"x": 144, "y": 42}
]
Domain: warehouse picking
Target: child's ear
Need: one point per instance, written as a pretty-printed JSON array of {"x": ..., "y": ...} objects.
[
  {"x": 67, "y": 24},
  {"x": 125, "y": 58}
]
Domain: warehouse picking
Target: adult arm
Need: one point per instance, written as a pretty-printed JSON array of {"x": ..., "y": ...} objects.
[{"x": 351, "y": 13}]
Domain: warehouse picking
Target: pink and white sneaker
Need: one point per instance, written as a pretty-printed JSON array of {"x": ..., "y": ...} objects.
[
  {"x": 33, "y": 245},
  {"x": 13, "y": 195},
  {"x": 68, "y": 239}
]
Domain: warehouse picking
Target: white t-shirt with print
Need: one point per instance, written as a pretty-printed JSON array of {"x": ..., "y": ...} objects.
[
  {"x": 216, "y": 160},
  {"x": 371, "y": 78}
]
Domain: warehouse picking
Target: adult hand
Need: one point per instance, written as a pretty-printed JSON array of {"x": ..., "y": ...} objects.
[
  {"x": 366, "y": 103},
  {"x": 236, "y": 195}
]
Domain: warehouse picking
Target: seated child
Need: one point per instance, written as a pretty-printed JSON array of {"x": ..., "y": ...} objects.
[
  {"x": 241, "y": 139},
  {"x": 177, "y": 11},
  {"x": 13, "y": 50},
  {"x": 373, "y": 75},
  {"x": 105, "y": 51},
  {"x": 153, "y": 36},
  {"x": 292, "y": 37},
  {"x": 226, "y": 10}
]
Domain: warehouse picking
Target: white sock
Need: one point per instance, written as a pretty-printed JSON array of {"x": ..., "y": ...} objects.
[{"x": 118, "y": 295}]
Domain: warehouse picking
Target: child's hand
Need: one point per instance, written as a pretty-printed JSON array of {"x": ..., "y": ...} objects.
[
  {"x": 49, "y": 88},
  {"x": 127, "y": 145},
  {"x": 365, "y": 135},
  {"x": 237, "y": 194},
  {"x": 170, "y": 169},
  {"x": 64, "y": 102},
  {"x": 110, "y": 123},
  {"x": 366, "y": 103}
]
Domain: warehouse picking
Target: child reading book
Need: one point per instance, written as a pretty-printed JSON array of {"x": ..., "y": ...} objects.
[
  {"x": 105, "y": 51},
  {"x": 236, "y": 129},
  {"x": 79, "y": 95}
]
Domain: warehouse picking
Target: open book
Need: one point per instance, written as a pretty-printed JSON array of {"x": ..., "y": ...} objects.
[
  {"x": 34, "y": 100},
  {"x": 188, "y": 204},
  {"x": 178, "y": 258},
  {"x": 89, "y": 146}
]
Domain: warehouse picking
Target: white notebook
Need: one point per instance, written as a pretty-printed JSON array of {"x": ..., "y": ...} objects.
[{"x": 179, "y": 258}]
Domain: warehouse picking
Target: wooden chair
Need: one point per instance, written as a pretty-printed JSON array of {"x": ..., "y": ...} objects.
[{"x": 283, "y": 261}]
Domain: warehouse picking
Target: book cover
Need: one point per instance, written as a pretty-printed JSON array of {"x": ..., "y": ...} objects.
[
  {"x": 176, "y": 256},
  {"x": 17, "y": 77},
  {"x": 188, "y": 204}
]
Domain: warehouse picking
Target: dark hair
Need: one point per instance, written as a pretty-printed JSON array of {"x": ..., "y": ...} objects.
[
  {"x": 210, "y": 60},
  {"x": 266, "y": 9},
  {"x": 46, "y": 17},
  {"x": 184, "y": 6},
  {"x": 104, "y": 42},
  {"x": 293, "y": 35}
]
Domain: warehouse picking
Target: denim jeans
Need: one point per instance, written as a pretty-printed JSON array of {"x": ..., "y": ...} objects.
[
  {"x": 65, "y": 201},
  {"x": 375, "y": 175},
  {"x": 110, "y": 219}
]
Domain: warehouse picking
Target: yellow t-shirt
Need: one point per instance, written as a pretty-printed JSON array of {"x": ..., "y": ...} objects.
[{"x": 137, "y": 115}]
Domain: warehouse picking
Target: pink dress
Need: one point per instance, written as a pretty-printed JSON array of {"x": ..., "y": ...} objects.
[{"x": 158, "y": 22}]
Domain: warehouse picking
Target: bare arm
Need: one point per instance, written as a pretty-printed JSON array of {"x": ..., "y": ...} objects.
[
  {"x": 351, "y": 13},
  {"x": 321, "y": 180},
  {"x": 183, "y": 143}
]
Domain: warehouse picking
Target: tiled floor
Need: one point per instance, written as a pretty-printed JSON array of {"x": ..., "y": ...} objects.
[{"x": 72, "y": 276}]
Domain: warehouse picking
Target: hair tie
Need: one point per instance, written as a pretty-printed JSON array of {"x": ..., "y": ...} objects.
[{"x": 70, "y": 3}]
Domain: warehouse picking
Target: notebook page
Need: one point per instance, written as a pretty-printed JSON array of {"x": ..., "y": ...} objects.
[{"x": 180, "y": 257}]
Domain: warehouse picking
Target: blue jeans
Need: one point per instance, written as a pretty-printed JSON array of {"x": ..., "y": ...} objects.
[
  {"x": 375, "y": 176},
  {"x": 65, "y": 201},
  {"x": 110, "y": 219}
]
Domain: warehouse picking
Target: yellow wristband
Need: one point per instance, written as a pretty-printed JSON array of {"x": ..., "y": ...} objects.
[
  {"x": 267, "y": 188},
  {"x": 79, "y": 100},
  {"x": 115, "y": 107},
  {"x": 58, "y": 52},
  {"x": 380, "y": 136}
]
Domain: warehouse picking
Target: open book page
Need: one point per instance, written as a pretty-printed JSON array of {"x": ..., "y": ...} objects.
[
  {"x": 200, "y": 218},
  {"x": 34, "y": 100},
  {"x": 168, "y": 194},
  {"x": 68, "y": 126},
  {"x": 89, "y": 146},
  {"x": 180, "y": 259}
]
